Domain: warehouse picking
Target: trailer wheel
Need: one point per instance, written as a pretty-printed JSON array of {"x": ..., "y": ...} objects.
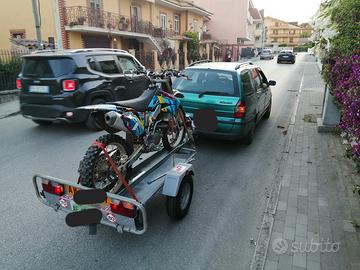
[{"x": 177, "y": 207}]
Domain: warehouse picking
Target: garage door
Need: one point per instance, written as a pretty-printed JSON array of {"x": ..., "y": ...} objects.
[{"x": 91, "y": 41}]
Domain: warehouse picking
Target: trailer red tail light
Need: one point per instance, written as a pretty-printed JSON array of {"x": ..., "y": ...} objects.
[
  {"x": 18, "y": 84},
  {"x": 123, "y": 208},
  {"x": 69, "y": 85},
  {"x": 53, "y": 189},
  {"x": 240, "y": 110}
]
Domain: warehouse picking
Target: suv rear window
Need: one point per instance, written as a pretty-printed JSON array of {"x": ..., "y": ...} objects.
[
  {"x": 47, "y": 67},
  {"x": 218, "y": 82}
]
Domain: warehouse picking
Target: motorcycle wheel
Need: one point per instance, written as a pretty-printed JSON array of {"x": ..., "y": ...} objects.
[
  {"x": 174, "y": 134},
  {"x": 95, "y": 171}
]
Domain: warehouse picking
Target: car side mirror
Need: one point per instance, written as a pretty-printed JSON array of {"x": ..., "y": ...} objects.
[{"x": 272, "y": 83}]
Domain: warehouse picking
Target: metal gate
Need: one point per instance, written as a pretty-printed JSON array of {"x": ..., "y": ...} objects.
[{"x": 92, "y": 41}]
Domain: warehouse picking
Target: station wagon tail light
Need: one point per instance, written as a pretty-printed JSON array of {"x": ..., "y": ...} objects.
[
  {"x": 240, "y": 110},
  {"x": 123, "y": 208},
  {"x": 69, "y": 85},
  {"x": 18, "y": 84},
  {"x": 55, "y": 189}
]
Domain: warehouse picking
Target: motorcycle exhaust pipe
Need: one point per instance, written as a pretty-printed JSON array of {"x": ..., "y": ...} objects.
[{"x": 114, "y": 120}]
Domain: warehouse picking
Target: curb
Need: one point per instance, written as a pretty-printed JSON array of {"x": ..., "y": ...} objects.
[
  {"x": 9, "y": 114},
  {"x": 8, "y": 95},
  {"x": 260, "y": 254}
]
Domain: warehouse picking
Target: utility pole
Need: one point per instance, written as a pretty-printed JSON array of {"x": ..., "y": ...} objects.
[
  {"x": 37, "y": 23},
  {"x": 59, "y": 41}
]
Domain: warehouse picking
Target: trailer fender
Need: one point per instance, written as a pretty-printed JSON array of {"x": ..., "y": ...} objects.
[{"x": 174, "y": 178}]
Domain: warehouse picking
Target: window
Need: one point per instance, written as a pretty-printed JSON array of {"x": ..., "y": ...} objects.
[
  {"x": 256, "y": 79},
  {"x": 196, "y": 26},
  {"x": 257, "y": 38},
  {"x": 177, "y": 24},
  {"x": 291, "y": 40},
  {"x": 136, "y": 13},
  {"x": 126, "y": 64},
  {"x": 262, "y": 76},
  {"x": 48, "y": 68},
  {"x": 107, "y": 64},
  {"x": 275, "y": 32},
  {"x": 246, "y": 83},
  {"x": 275, "y": 40},
  {"x": 276, "y": 24},
  {"x": 214, "y": 82},
  {"x": 163, "y": 23},
  {"x": 92, "y": 64}
]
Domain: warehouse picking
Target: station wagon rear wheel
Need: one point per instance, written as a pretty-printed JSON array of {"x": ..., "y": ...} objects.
[{"x": 248, "y": 139}]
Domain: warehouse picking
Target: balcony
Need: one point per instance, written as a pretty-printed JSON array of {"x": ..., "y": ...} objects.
[{"x": 80, "y": 16}]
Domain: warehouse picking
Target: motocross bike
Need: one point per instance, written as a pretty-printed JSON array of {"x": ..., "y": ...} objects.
[{"x": 153, "y": 121}]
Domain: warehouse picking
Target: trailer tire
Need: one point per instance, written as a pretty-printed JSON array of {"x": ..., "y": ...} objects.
[
  {"x": 88, "y": 163},
  {"x": 177, "y": 207}
]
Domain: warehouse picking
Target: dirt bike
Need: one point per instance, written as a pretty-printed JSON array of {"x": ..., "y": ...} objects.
[{"x": 153, "y": 121}]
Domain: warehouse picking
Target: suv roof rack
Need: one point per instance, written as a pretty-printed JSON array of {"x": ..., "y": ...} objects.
[
  {"x": 243, "y": 64},
  {"x": 98, "y": 49},
  {"x": 46, "y": 51},
  {"x": 200, "y": 62}
]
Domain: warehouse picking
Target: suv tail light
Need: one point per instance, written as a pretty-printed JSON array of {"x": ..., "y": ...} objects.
[
  {"x": 53, "y": 189},
  {"x": 240, "y": 110},
  {"x": 18, "y": 84},
  {"x": 69, "y": 85},
  {"x": 123, "y": 208}
]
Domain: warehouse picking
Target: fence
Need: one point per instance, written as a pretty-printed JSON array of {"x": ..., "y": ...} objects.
[{"x": 10, "y": 65}]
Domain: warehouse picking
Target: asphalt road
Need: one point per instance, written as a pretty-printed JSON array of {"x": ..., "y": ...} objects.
[{"x": 231, "y": 184}]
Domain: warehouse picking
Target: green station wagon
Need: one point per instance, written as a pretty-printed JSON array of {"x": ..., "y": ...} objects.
[{"x": 238, "y": 93}]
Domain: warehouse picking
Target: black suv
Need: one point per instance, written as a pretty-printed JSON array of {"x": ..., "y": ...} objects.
[
  {"x": 287, "y": 56},
  {"x": 54, "y": 83}
]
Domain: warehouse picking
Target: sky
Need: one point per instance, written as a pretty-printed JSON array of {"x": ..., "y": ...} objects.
[{"x": 289, "y": 10}]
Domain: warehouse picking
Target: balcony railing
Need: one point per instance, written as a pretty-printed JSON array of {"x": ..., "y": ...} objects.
[{"x": 84, "y": 16}]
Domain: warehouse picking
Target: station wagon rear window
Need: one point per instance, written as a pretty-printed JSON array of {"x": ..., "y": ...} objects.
[
  {"x": 218, "y": 82},
  {"x": 47, "y": 67}
]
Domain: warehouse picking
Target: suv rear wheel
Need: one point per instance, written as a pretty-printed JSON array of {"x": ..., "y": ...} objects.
[{"x": 91, "y": 123}]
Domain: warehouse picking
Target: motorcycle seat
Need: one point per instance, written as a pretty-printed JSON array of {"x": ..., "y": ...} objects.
[{"x": 140, "y": 103}]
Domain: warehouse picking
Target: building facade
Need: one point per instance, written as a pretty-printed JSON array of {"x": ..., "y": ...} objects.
[
  {"x": 258, "y": 27},
  {"x": 18, "y": 26},
  {"x": 133, "y": 25},
  {"x": 281, "y": 33},
  {"x": 231, "y": 20}
]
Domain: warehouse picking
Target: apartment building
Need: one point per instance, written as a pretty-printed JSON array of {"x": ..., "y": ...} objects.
[
  {"x": 281, "y": 33},
  {"x": 258, "y": 27},
  {"x": 235, "y": 24}
]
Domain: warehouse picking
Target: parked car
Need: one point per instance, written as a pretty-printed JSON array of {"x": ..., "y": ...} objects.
[
  {"x": 266, "y": 54},
  {"x": 287, "y": 56},
  {"x": 54, "y": 83},
  {"x": 239, "y": 94}
]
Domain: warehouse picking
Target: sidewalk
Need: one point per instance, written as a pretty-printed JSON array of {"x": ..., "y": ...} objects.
[
  {"x": 9, "y": 108},
  {"x": 313, "y": 222}
]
